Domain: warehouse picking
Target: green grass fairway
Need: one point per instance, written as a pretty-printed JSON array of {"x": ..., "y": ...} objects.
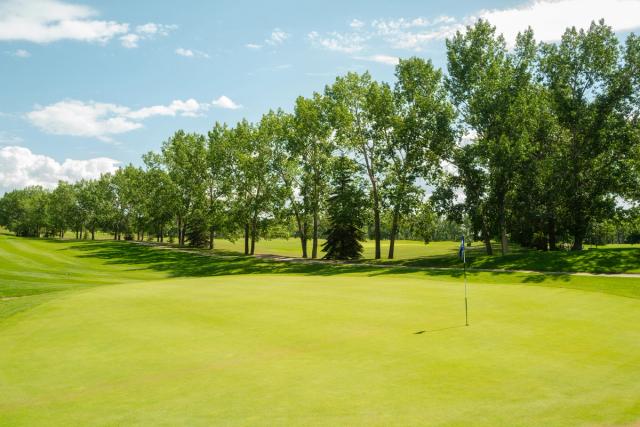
[{"x": 112, "y": 333}]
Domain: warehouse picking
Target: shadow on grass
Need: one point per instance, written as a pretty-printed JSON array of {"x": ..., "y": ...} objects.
[
  {"x": 439, "y": 329},
  {"x": 194, "y": 264},
  {"x": 176, "y": 263},
  {"x": 602, "y": 260},
  {"x": 202, "y": 263}
]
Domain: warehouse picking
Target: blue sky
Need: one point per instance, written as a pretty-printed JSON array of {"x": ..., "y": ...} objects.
[{"x": 87, "y": 86}]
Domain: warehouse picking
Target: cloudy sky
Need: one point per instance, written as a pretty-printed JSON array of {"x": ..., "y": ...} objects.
[{"x": 87, "y": 86}]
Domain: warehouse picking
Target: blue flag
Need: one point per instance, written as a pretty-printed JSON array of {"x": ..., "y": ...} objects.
[{"x": 461, "y": 254}]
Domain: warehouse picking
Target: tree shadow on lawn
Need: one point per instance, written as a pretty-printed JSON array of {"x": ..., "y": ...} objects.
[
  {"x": 188, "y": 264},
  {"x": 604, "y": 260},
  {"x": 222, "y": 263}
]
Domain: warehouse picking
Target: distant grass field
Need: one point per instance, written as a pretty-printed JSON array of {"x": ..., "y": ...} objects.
[
  {"x": 291, "y": 247},
  {"x": 604, "y": 259},
  {"x": 114, "y": 333}
]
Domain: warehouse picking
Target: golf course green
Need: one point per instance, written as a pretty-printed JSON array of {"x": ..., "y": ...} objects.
[{"x": 114, "y": 333}]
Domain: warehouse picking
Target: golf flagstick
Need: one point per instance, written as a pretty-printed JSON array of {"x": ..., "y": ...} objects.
[{"x": 463, "y": 255}]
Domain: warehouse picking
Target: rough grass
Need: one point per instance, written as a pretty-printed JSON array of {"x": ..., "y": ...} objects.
[{"x": 114, "y": 333}]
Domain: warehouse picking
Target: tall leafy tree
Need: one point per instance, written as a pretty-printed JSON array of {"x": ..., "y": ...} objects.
[
  {"x": 421, "y": 135},
  {"x": 593, "y": 84},
  {"x": 185, "y": 158},
  {"x": 255, "y": 180},
  {"x": 218, "y": 178},
  {"x": 492, "y": 88},
  {"x": 313, "y": 146},
  {"x": 288, "y": 165},
  {"x": 162, "y": 195},
  {"x": 355, "y": 99},
  {"x": 62, "y": 207}
]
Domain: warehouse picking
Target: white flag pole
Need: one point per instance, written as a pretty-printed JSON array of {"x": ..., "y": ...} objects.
[{"x": 466, "y": 305}]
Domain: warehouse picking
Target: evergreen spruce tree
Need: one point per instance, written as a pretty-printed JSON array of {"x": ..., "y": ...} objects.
[{"x": 346, "y": 213}]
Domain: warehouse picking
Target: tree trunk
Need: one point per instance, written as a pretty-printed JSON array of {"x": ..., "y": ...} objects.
[
  {"x": 303, "y": 239},
  {"x": 376, "y": 229},
  {"x": 93, "y": 233},
  {"x": 246, "y": 238},
  {"x": 376, "y": 218},
  {"x": 211, "y": 237},
  {"x": 253, "y": 238},
  {"x": 302, "y": 229},
  {"x": 486, "y": 238},
  {"x": 551, "y": 233},
  {"x": 254, "y": 235},
  {"x": 376, "y": 202},
  {"x": 394, "y": 231},
  {"x": 504, "y": 245},
  {"x": 578, "y": 239},
  {"x": 314, "y": 244}
]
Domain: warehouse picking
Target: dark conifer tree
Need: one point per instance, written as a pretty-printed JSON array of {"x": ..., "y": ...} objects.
[{"x": 346, "y": 213}]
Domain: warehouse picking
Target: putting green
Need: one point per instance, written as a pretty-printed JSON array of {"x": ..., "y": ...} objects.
[{"x": 318, "y": 350}]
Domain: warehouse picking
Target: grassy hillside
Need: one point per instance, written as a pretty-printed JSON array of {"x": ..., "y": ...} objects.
[{"x": 114, "y": 333}]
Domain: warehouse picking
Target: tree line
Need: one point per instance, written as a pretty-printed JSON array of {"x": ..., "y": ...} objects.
[{"x": 532, "y": 143}]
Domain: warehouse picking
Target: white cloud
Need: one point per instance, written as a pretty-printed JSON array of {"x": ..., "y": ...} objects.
[
  {"x": 382, "y": 59},
  {"x": 130, "y": 40},
  {"x": 184, "y": 52},
  {"x": 102, "y": 120},
  {"x": 21, "y": 53},
  {"x": 549, "y": 19},
  {"x": 356, "y": 23},
  {"x": 277, "y": 37},
  {"x": 188, "y": 108},
  {"x": 45, "y": 21},
  {"x": 413, "y": 34},
  {"x": 147, "y": 31},
  {"x": 225, "y": 102},
  {"x": 191, "y": 53},
  {"x": 152, "y": 29},
  {"x": 19, "y": 168},
  {"x": 338, "y": 42}
]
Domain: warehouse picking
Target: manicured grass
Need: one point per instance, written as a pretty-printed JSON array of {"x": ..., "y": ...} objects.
[
  {"x": 621, "y": 258},
  {"x": 113, "y": 333},
  {"x": 604, "y": 259},
  {"x": 291, "y": 247}
]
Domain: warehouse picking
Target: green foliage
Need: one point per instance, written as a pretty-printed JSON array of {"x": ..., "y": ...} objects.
[
  {"x": 345, "y": 213},
  {"x": 593, "y": 84},
  {"x": 533, "y": 143}
]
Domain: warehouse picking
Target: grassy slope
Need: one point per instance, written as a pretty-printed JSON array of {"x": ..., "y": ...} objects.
[{"x": 304, "y": 344}]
